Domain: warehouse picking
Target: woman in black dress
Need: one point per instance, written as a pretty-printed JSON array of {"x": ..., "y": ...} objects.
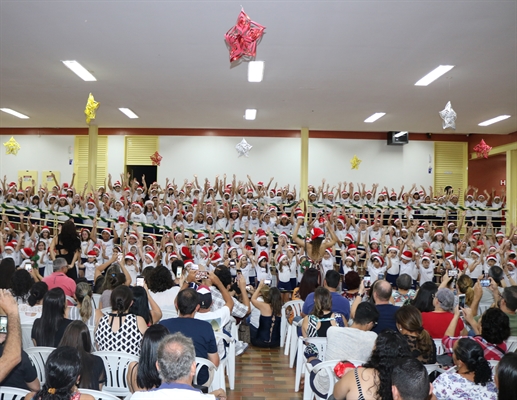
[{"x": 67, "y": 245}]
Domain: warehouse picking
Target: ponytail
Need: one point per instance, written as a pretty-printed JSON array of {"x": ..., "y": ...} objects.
[
  {"x": 482, "y": 371},
  {"x": 83, "y": 293},
  {"x": 469, "y": 296},
  {"x": 425, "y": 342}
]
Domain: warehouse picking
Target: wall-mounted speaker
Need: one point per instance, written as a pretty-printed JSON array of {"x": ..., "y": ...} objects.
[{"x": 398, "y": 138}]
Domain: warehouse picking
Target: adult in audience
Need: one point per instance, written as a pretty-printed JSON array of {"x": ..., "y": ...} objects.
[
  {"x": 507, "y": 302},
  {"x": 144, "y": 306},
  {"x": 404, "y": 294},
  {"x": 268, "y": 332},
  {"x": 67, "y": 246},
  {"x": 116, "y": 275},
  {"x": 424, "y": 299},
  {"x": 93, "y": 375},
  {"x": 473, "y": 376},
  {"x": 506, "y": 376},
  {"x": 409, "y": 324},
  {"x": 84, "y": 310},
  {"x": 381, "y": 295},
  {"x": 21, "y": 284},
  {"x": 466, "y": 286},
  {"x": 352, "y": 283},
  {"x": 221, "y": 316},
  {"x": 143, "y": 375},
  {"x": 49, "y": 329},
  {"x": 62, "y": 372},
  {"x": 410, "y": 381},
  {"x": 321, "y": 318},
  {"x": 199, "y": 331},
  {"x": 120, "y": 330},
  {"x": 491, "y": 333},
  {"x": 496, "y": 276},
  {"x": 176, "y": 363},
  {"x": 373, "y": 379},
  {"x": 12, "y": 354},
  {"x": 436, "y": 322},
  {"x": 309, "y": 282},
  {"x": 8, "y": 267},
  {"x": 60, "y": 279},
  {"x": 339, "y": 304},
  {"x": 24, "y": 375},
  {"x": 32, "y": 309},
  {"x": 162, "y": 288}
]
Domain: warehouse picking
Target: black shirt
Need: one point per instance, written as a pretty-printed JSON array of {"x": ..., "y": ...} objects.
[
  {"x": 22, "y": 373},
  {"x": 59, "y": 334}
]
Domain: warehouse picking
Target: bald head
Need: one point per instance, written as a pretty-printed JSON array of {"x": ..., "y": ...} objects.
[{"x": 382, "y": 292}]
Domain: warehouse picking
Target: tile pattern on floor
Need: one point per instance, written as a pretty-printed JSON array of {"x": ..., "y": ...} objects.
[{"x": 263, "y": 374}]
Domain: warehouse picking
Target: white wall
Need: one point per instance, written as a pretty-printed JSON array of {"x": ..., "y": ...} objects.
[
  {"x": 116, "y": 156},
  {"x": 38, "y": 153},
  {"x": 392, "y": 166}
]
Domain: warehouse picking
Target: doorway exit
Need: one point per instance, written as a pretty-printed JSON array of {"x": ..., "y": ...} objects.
[{"x": 138, "y": 171}]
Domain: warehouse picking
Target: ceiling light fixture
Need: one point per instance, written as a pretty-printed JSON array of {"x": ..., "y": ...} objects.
[
  {"x": 250, "y": 114},
  {"x": 374, "y": 117},
  {"x": 255, "y": 71},
  {"x": 79, "y": 70},
  {"x": 494, "y": 120},
  {"x": 434, "y": 75},
  {"x": 15, "y": 113},
  {"x": 128, "y": 112}
]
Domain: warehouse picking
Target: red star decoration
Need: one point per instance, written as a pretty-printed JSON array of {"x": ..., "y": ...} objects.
[
  {"x": 482, "y": 149},
  {"x": 156, "y": 158},
  {"x": 242, "y": 38}
]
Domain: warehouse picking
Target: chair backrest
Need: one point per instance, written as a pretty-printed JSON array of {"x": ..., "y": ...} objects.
[
  {"x": 12, "y": 393},
  {"x": 324, "y": 374},
  {"x": 320, "y": 343},
  {"x": 38, "y": 356},
  {"x": 493, "y": 366},
  {"x": 71, "y": 300},
  {"x": 96, "y": 297},
  {"x": 26, "y": 336},
  {"x": 433, "y": 367},
  {"x": 116, "y": 365},
  {"x": 106, "y": 310},
  {"x": 511, "y": 344},
  {"x": 295, "y": 305},
  {"x": 203, "y": 362},
  {"x": 439, "y": 347},
  {"x": 98, "y": 395}
]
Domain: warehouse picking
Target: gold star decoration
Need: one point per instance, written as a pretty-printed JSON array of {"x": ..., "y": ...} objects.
[
  {"x": 355, "y": 162},
  {"x": 91, "y": 107},
  {"x": 12, "y": 146}
]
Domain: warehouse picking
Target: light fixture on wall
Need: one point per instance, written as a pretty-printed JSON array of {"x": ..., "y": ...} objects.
[
  {"x": 250, "y": 114},
  {"x": 79, "y": 70},
  {"x": 15, "y": 113},
  {"x": 434, "y": 75},
  {"x": 374, "y": 117},
  {"x": 128, "y": 112},
  {"x": 255, "y": 71},
  {"x": 494, "y": 120}
]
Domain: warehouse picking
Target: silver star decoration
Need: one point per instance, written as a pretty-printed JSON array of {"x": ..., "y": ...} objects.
[
  {"x": 243, "y": 148},
  {"x": 449, "y": 117}
]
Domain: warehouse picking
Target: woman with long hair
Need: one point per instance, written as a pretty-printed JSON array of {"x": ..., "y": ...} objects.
[
  {"x": 67, "y": 245},
  {"x": 321, "y": 317},
  {"x": 62, "y": 373},
  {"x": 84, "y": 310},
  {"x": 8, "y": 267},
  {"x": 21, "y": 283},
  {"x": 77, "y": 335},
  {"x": 425, "y": 296},
  {"x": 143, "y": 375},
  {"x": 144, "y": 306},
  {"x": 268, "y": 332},
  {"x": 115, "y": 276},
  {"x": 409, "y": 324},
  {"x": 32, "y": 309},
  {"x": 372, "y": 381},
  {"x": 473, "y": 376},
  {"x": 49, "y": 329},
  {"x": 506, "y": 376},
  {"x": 310, "y": 281},
  {"x": 120, "y": 330}
]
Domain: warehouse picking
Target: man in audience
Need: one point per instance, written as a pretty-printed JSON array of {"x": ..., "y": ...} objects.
[
  {"x": 507, "y": 302},
  {"x": 381, "y": 293},
  {"x": 59, "y": 278},
  {"x": 176, "y": 364},
  {"x": 410, "y": 381},
  {"x": 12, "y": 354},
  {"x": 221, "y": 316},
  {"x": 339, "y": 303}
]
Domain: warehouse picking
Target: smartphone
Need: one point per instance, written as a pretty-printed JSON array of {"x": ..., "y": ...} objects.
[
  {"x": 3, "y": 324},
  {"x": 232, "y": 263},
  {"x": 461, "y": 302},
  {"x": 367, "y": 280},
  {"x": 452, "y": 272},
  {"x": 267, "y": 282},
  {"x": 485, "y": 282},
  {"x": 28, "y": 267},
  {"x": 201, "y": 275},
  {"x": 179, "y": 272},
  {"x": 139, "y": 280}
]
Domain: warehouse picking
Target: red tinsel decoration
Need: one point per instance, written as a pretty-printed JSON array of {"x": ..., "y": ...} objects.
[
  {"x": 242, "y": 38},
  {"x": 482, "y": 149},
  {"x": 156, "y": 158}
]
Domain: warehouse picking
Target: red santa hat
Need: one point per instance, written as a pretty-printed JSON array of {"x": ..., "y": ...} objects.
[
  {"x": 133, "y": 235},
  {"x": 393, "y": 248},
  {"x": 378, "y": 258},
  {"x": 27, "y": 252},
  {"x": 151, "y": 255},
  {"x": 349, "y": 237},
  {"x": 499, "y": 234},
  {"x": 201, "y": 236},
  {"x": 261, "y": 234},
  {"x": 448, "y": 255},
  {"x": 138, "y": 205},
  {"x": 317, "y": 233},
  {"x": 280, "y": 257},
  {"x": 351, "y": 247},
  {"x": 9, "y": 246},
  {"x": 117, "y": 184},
  {"x": 107, "y": 230},
  {"x": 283, "y": 234},
  {"x": 172, "y": 255},
  {"x": 407, "y": 255},
  {"x": 475, "y": 251},
  {"x": 130, "y": 256},
  {"x": 350, "y": 258},
  {"x": 216, "y": 258},
  {"x": 204, "y": 250},
  {"x": 218, "y": 236},
  {"x": 438, "y": 232},
  {"x": 237, "y": 234},
  {"x": 45, "y": 229},
  {"x": 92, "y": 253},
  {"x": 262, "y": 256},
  {"x": 476, "y": 232},
  {"x": 493, "y": 258},
  {"x": 185, "y": 253},
  {"x": 425, "y": 258}
]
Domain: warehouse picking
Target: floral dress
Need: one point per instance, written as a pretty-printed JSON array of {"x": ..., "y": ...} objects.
[{"x": 453, "y": 386}]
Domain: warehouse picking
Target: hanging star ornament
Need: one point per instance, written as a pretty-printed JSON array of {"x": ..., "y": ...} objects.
[
  {"x": 355, "y": 161},
  {"x": 243, "y": 148},
  {"x": 449, "y": 117},
  {"x": 242, "y": 38},
  {"x": 482, "y": 149},
  {"x": 156, "y": 158},
  {"x": 91, "y": 107},
  {"x": 12, "y": 146}
]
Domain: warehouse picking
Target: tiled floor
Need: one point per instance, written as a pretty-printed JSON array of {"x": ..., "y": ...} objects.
[{"x": 263, "y": 374}]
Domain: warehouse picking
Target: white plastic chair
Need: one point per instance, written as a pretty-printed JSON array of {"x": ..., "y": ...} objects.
[
  {"x": 439, "y": 347},
  {"x": 26, "y": 336},
  {"x": 71, "y": 300},
  {"x": 38, "y": 356},
  {"x": 320, "y": 343},
  {"x": 493, "y": 366},
  {"x": 296, "y": 309},
  {"x": 98, "y": 395},
  {"x": 212, "y": 369},
  {"x": 96, "y": 297},
  {"x": 433, "y": 367},
  {"x": 106, "y": 310},
  {"x": 511, "y": 344},
  {"x": 116, "y": 365},
  {"x": 224, "y": 364},
  {"x": 293, "y": 339},
  {"x": 12, "y": 393}
]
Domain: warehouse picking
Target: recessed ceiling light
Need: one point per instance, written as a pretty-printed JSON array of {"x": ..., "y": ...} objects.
[
  {"x": 434, "y": 75},
  {"x": 374, "y": 117},
  {"x": 250, "y": 114},
  {"x": 255, "y": 71},
  {"x": 128, "y": 112},
  {"x": 79, "y": 70},
  {"x": 15, "y": 113},
  {"x": 494, "y": 120}
]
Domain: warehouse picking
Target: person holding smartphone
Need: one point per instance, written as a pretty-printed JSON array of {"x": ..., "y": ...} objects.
[{"x": 12, "y": 353}]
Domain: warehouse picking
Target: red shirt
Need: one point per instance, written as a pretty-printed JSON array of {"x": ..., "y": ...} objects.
[
  {"x": 436, "y": 323},
  {"x": 59, "y": 279}
]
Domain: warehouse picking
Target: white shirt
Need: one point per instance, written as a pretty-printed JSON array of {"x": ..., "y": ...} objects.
[{"x": 167, "y": 394}]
